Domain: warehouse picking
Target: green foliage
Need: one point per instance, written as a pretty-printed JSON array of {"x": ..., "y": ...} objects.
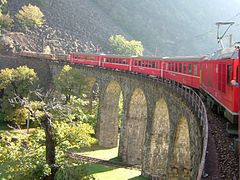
[
  {"x": 73, "y": 135},
  {"x": 22, "y": 156},
  {"x": 70, "y": 82},
  {"x": 47, "y": 50},
  {"x": 3, "y": 4},
  {"x": 120, "y": 110},
  {"x": 124, "y": 47},
  {"x": 76, "y": 112},
  {"x": 30, "y": 16},
  {"x": 74, "y": 172},
  {"x": 18, "y": 82},
  {"x": 6, "y": 21}
]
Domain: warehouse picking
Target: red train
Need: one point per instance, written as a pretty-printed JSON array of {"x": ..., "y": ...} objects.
[{"x": 216, "y": 77}]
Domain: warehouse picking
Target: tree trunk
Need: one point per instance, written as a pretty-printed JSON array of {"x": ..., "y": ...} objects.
[{"x": 50, "y": 146}]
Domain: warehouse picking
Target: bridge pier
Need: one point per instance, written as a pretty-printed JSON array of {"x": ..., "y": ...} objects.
[{"x": 107, "y": 125}]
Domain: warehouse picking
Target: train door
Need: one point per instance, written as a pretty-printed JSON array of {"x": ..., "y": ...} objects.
[{"x": 222, "y": 77}]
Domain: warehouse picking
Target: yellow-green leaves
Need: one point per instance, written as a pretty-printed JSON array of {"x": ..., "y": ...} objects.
[
  {"x": 70, "y": 82},
  {"x": 124, "y": 47},
  {"x": 16, "y": 82},
  {"x": 30, "y": 16}
]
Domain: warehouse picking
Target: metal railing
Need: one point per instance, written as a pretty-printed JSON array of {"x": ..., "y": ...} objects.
[{"x": 197, "y": 105}]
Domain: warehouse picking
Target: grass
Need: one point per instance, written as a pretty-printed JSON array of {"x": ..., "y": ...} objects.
[
  {"x": 102, "y": 172},
  {"x": 105, "y": 154}
]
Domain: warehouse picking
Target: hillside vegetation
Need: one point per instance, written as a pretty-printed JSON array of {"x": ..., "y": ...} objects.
[{"x": 173, "y": 27}]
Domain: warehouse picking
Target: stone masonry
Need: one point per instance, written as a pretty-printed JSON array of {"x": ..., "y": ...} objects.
[{"x": 159, "y": 131}]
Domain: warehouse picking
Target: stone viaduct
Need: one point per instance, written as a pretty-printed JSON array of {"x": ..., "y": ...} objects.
[{"x": 159, "y": 131}]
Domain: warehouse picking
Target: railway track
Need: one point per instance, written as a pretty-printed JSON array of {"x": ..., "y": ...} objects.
[{"x": 222, "y": 161}]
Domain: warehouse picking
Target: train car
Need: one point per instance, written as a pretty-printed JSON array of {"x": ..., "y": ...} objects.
[
  {"x": 218, "y": 75},
  {"x": 116, "y": 62},
  {"x": 87, "y": 59},
  {"x": 147, "y": 65},
  {"x": 184, "y": 70}
]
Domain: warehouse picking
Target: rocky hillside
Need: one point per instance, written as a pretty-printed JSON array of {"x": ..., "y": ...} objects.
[{"x": 174, "y": 27}]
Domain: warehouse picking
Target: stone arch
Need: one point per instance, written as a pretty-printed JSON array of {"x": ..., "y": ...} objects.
[
  {"x": 156, "y": 159},
  {"x": 136, "y": 127},
  {"x": 108, "y": 121},
  {"x": 180, "y": 165}
]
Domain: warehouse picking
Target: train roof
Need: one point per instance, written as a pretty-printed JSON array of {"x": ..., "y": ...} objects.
[
  {"x": 225, "y": 53},
  {"x": 185, "y": 58}
]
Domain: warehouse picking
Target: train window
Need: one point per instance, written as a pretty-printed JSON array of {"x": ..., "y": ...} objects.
[
  {"x": 176, "y": 67},
  {"x": 189, "y": 69},
  {"x": 146, "y": 63},
  {"x": 153, "y": 64},
  {"x": 150, "y": 64},
  {"x": 135, "y": 63},
  {"x": 170, "y": 66},
  {"x": 184, "y": 68},
  {"x": 216, "y": 68},
  {"x": 235, "y": 55},
  {"x": 180, "y": 67},
  {"x": 167, "y": 66},
  {"x": 195, "y": 68},
  {"x": 156, "y": 65},
  {"x": 139, "y": 63},
  {"x": 229, "y": 74}
]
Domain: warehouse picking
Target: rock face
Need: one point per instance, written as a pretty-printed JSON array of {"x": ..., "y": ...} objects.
[{"x": 71, "y": 26}]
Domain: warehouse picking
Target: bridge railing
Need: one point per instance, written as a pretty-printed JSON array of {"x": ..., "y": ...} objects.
[{"x": 197, "y": 105}]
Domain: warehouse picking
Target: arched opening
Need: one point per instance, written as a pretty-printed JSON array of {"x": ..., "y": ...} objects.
[
  {"x": 156, "y": 160},
  {"x": 181, "y": 161},
  {"x": 136, "y": 126},
  {"x": 109, "y": 116},
  {"x": 91, "y": 92}
]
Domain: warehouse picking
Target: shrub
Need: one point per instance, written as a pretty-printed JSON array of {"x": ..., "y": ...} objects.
[
  {"x": 30, "y": 16},
  {"x": 124, "y": 47},
  {"x": 74, "y": 172},
  {"x": 47, "y": 50},
  {"x": 6, "y": 21}
]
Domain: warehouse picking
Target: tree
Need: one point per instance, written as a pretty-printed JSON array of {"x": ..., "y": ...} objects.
[
  {"x": 20, "y": 82},
  {"x": 70, "y": 82},
  {"x": 61, "y": 134},
  {"x": 124, "y": 47},
  {"x": 6, "y": 21},
  {"x": 30, "y": 16},
  {"x": 2, "y": 5}
]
